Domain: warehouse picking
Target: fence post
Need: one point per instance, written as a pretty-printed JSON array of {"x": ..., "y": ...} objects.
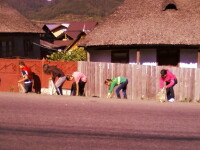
[
  {"x": 18, "y": 69},
  {"x": 43, "y": 61}
]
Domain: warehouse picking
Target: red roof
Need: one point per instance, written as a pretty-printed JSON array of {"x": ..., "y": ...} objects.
[
  {"x": 73, "y": 35},
  {"x": 73, "y": 26},
  {"x": 73, "y": 30},
  {"x": 47, "y": 44},
  {"x": 60, "y": 43},
  {"x": 81, "y": 26}
]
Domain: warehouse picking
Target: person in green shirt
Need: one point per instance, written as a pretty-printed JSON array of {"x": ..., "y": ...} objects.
[{"x": 121, "y": 81}]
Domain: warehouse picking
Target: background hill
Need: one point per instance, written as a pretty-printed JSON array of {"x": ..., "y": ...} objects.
[{"x": 72, "y": 10}]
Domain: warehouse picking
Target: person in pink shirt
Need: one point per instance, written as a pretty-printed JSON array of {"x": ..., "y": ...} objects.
[
  {"x": 170, "y": 80},
  {"x": 78, "y": 86}
]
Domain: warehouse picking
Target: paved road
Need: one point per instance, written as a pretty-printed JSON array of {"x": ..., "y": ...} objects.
[{"x": 41, "y": 122}]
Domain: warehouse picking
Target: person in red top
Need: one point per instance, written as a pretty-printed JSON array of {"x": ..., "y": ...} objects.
[
  {"x": 170, "y": 80},
  {"x": 27, "y": 77}
]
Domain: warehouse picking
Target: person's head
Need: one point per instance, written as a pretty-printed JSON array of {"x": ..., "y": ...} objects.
[
  {"x": 69, "y": 77},
  {"x": 46, "y": 69},
  {"x": 21, "y": 64},
  {"x": 107, "y": 82},
  {"x": 163, "y": 73}
]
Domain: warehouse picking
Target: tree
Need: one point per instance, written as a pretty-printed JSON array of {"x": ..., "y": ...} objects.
[{"x": 78, "y": 54}]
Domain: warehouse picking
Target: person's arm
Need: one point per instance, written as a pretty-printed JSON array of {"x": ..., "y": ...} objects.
[
  {"x": 77, "y": 78},
  {"x": 172, "y": 77},
  {"x": 109, "y": 95},
  {"x": 170, "y": 84},
  {"x": 77, "y": 89},
  {"x": 112, "y": 85},
  {"x": 23, "y": 79}
]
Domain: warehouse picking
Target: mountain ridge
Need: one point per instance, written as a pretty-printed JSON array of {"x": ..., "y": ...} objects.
[{"x": 92, "y": 10}]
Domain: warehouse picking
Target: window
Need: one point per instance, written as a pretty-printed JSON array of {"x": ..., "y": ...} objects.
[
  {"x": 28, "y": 48},
  {"x": 120, "y": 56},
  {"x": 170, "y": 6},
  {"x": 168, "y": 56},
  {"x": 6, "y": 48}
]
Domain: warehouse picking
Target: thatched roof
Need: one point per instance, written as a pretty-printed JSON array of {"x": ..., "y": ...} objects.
[
  {"x": 147, "y": 22},
  {"x": 11, "y": 21}
]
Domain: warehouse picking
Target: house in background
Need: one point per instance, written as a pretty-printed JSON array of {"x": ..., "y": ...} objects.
[
  {"x": 17, "y": 34},
  {"x": 66, "y": 36},
  {"x": 148, "y": 32}
]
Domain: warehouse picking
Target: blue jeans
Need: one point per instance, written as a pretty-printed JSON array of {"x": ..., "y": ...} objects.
[
  {"x": 28, "y": 87},
  {"x": 170, "y": 90},
  {"x": 123, "y": 87}
]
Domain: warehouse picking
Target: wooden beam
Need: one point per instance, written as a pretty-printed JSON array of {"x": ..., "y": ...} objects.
[
  {"x": 198, "y": 61},
  {"x": 138, "y": 56},
  {"x": 88, "y": 56}
]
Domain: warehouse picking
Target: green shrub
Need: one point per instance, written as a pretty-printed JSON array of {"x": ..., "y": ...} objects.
[{"x": 77, "y": 54}]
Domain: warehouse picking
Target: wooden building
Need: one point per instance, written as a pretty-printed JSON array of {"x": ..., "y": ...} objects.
[
  {"x": 17, "y": 34},
  {"x": 66, "y": 36},
  {"x": 149, "y": 32}
]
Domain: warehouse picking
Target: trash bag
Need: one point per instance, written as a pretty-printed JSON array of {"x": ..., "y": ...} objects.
[
  {"x": 51, "y": 88},
  {"x": 21, "y": 88},
  {"x": 161, "y": 96}
]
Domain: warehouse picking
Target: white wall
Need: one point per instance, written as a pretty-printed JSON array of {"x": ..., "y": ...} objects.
[
  {"x": 132, "y": 56},
  {"x": 100, "y": 56},
  {"x": 188, "y": 58},
  {"x": 148, "y": 57}
]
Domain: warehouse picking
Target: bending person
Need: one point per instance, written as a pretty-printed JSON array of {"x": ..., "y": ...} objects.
[
  {"x": 78, "y": 86},
  {"x": 121, "y": 81},
  {"x": 27, "y": 77},
  {"x": 170, "y": 80},
  {"x": 55, "y": 72}
]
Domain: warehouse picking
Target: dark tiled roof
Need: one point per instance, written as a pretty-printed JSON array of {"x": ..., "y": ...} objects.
[
  {"x": 52, "y": 26},
  {"x": 146, "y": 22},
  {"x": 74, "y": 34},
  {"x": 81, "y": 26},
  {"x": 12, "y": 21},
  {"x": 56, "y": 44},
  {"x": 72, "y": 29},
  {"x": 60, "y": 43},
  {"x": 72, "y": 26},
  {"x": 47, "y": 44}
]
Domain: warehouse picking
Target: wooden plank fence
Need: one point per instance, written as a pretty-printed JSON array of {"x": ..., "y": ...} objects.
[{"x": 143, "y": 80}]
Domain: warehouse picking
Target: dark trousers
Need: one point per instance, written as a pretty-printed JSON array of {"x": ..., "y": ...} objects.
[
  {"x": 81, "y": 88},
  {"x": 28, "y": 87},
  {"x": 170, "y": 90},
  {"x": 123, "y": 87}
]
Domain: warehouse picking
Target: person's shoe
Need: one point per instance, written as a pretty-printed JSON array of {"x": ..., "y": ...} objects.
[{"x": 171, "y": 100}]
